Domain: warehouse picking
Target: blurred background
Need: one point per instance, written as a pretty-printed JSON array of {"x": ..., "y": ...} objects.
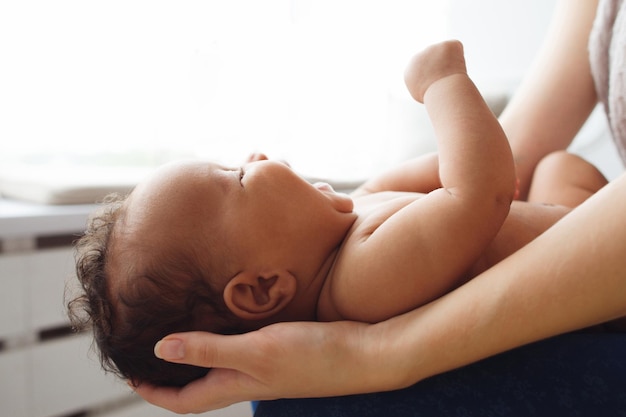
[
  {"x": 95, "y": 94},
  {"x": 315, "y": 82}
]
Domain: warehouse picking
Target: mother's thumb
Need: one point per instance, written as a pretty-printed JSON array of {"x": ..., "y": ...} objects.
[
  {"x": 170, "y": 349},
  {"x": 203, "y": 349}
]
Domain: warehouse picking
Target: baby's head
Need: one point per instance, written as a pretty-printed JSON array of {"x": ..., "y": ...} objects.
[
  {"x": 201, "y": 247},
  {"x": 166, "y": 290}
]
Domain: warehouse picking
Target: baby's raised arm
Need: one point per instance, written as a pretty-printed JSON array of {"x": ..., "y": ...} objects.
[
  {"x": 463, "y": 123},
  {"x": 474, "y": 155},
  {"x": 426, "y": 248}
]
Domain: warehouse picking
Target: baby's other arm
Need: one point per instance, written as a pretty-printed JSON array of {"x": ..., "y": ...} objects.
[{"x": 418, "y": 175}]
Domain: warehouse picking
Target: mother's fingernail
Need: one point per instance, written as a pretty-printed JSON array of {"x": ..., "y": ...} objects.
[{"x": 169, "y": 349}]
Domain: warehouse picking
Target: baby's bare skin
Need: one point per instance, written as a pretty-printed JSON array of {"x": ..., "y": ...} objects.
[
  {"x": 524, "y": 223},
  {"x": 422, "y": 225}
]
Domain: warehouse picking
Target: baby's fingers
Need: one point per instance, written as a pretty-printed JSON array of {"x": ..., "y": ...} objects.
[{"x": 257, "y": 156}]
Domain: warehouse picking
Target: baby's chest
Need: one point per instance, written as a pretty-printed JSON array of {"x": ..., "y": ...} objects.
[{"x": 375, "y": 209}]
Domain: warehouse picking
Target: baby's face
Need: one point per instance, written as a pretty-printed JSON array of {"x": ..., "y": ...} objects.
[{"x": 260, "y": 206}]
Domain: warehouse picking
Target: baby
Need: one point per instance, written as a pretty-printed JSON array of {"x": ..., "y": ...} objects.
[{"x": 200, "y": 246}]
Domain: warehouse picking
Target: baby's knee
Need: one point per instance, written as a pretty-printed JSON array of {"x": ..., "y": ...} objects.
[
  {"x": 568, "y": 168},
  {"x": 566, "y": 162},
  {"x": 557, "y": 162},
  {"x": 564, "y": 165}
]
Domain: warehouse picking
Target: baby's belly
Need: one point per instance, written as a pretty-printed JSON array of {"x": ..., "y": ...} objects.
[{"x": 524, "y": 223}]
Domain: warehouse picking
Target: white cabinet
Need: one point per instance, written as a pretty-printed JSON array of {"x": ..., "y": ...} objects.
[
  {"x": 31, "y": 290},
  {"x": 13, "y": 383},
  {"x": 48, "y": 270},
  {"x": 46, "y": 371},
  {"x": 41, "y": 377},
  {"x": 59, "y": 375},
  {"x": 13, "y": 299},
  {"x": 66, "y": 378}
]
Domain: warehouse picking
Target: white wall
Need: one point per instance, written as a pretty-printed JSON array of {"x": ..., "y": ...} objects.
[{"x": 500, "y": 37}]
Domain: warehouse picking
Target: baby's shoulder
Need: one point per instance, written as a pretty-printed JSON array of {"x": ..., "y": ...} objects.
[{"x": 375, "y": 209}]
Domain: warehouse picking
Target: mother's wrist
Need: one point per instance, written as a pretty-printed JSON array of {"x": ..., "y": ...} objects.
[{"x": 387, "y": 358}]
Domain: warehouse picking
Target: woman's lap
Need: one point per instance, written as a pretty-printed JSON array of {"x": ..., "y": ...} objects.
[{"x": 575, "y": 374}]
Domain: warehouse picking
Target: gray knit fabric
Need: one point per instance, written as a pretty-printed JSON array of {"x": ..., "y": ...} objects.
[{"x": 607, "y": 54}]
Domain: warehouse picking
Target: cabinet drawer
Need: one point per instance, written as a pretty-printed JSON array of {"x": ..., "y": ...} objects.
[
  {"x": 66, "y": 377},
  {"x": 32, "y": 286},
  {"x": 48, "y": 272},
  {"x": 13, "y": 297},
  {"x": 13, "y": 384}
]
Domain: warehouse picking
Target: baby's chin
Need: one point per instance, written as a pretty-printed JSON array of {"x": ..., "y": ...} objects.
[{"x": 340, "y": 201}]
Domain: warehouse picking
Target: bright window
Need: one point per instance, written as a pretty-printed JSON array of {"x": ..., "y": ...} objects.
[{"x": 141, "y": 82}]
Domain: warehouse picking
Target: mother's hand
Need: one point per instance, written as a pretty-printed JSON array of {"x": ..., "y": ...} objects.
[{"x": 286, "y": 360}]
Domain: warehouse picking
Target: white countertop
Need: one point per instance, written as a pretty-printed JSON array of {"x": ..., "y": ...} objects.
[{"x": 21, "y": 219}]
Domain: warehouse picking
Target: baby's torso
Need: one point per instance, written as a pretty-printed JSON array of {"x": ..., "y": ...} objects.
[{"x": 524, "y": 223}]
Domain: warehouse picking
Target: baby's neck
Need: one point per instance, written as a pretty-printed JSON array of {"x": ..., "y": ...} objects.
[
  {"x": 316, "y": 265},
  {"x": 322, "y": 281},
  {"x": 305, "y": 305}
]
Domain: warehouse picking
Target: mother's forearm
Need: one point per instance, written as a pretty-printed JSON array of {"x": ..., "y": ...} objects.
[{"x": 569, "y": 278}]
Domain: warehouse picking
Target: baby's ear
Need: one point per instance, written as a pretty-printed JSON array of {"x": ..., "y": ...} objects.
[{"x": 251, "y": 296}]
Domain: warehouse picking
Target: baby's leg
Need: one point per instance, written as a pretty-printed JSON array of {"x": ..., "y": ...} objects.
[{"x": 565, "y": 179}]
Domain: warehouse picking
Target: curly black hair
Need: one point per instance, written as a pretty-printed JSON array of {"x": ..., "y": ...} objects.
[{"x": 168, "y": 293}]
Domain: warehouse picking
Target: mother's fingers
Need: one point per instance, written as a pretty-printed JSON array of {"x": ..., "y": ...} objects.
[
  {"x": 209, "y": 350},
  {"x": 285, "y": 360},
  {"x": 235, "y": 364},
  {"x": 219, "y": 388}
]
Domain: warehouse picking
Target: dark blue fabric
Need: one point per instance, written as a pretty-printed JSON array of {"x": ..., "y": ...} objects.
[{"x": 570, "y": 375}]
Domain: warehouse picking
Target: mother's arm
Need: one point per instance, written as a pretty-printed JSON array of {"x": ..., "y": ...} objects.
[
  {"x": 558, "y": 93},
  {"x": 570, "y": 277}
]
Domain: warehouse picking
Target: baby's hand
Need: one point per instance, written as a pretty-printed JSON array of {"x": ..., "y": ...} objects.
[
  {"x": 432, "y": 64},
  {"x": 256, "y": 156}
]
